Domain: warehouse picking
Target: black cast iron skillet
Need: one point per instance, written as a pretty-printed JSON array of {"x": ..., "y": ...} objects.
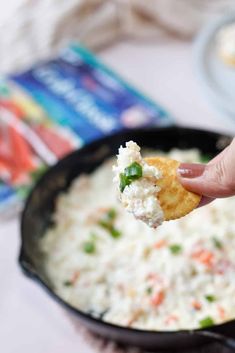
[{"x": 39, "y": 207}]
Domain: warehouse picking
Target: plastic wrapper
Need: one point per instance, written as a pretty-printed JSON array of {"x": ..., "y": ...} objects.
[{"x": 57, "y": 106}]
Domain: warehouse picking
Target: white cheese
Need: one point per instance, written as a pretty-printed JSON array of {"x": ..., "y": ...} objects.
[{"x": 140, "y": 197}]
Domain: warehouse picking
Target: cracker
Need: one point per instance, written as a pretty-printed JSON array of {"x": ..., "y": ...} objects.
[{"x": 174, "y": 199}]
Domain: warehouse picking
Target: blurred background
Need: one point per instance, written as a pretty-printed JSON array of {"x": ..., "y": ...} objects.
[
  {"x": 163, "y": 48},
  {"x": 156, "y": 35}
]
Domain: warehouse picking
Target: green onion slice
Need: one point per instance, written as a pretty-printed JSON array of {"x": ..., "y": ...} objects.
[
  {"x": 67, "y": 283},
  {"x": 89, "y": 247},
  {"x": 206, "y": 322},
  {"x": 210, "y": 298},
  {"x": 175, "y": 249},
  {"x": 133, "y": 171},
  {"x": 217, "y": 243},
  {"x": 124, "y": 181}
]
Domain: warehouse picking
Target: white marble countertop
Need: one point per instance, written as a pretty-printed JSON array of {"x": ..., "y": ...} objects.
[{"x": 29, "y": 320}]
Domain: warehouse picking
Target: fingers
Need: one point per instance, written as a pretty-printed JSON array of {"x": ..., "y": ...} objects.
[
  {"x": 216, "y": 179},
  {"x": 205, "y": 201}
]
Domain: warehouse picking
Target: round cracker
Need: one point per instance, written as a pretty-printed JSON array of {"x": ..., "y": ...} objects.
[{"x": 174, "y": 199}]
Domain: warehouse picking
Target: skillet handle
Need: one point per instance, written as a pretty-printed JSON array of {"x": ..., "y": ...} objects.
[{"x": 224, "y": 340}]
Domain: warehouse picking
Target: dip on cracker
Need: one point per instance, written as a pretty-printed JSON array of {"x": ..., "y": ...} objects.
[
  {"x": 136, "y": 185},
  {"x": 149, "y": 188}
]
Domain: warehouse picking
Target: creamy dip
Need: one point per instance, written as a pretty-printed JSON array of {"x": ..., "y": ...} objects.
[{"x": 104, "y": 262}]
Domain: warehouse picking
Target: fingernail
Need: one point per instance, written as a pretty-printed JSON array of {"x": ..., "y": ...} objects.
[{"x": 190, "y": 170}]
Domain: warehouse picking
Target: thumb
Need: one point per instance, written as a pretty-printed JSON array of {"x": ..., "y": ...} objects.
[{"x": 216, "y": 179}]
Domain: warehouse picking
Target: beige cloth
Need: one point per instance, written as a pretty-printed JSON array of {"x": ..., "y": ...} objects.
[{"x": 31, "y": 30}]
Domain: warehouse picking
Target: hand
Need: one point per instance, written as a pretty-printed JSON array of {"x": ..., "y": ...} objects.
[{"x": 212, "y": 180}]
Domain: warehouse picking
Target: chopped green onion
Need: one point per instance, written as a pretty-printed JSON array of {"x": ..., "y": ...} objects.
[
  {"x": 89, "y": 247},
  {"x": 111, "y": 214},
  {"x": 217, "y": 243},
  {"x": 107, "y": 222},
  {"x": 115, "y": 232},
  {"x": 124, "y": 181},
  {"x": 210, "y": 298},
  {"x": 104, "y": 224},
  {"x": 175, "y": 248},
  {"x": 149, "y": 290},
  {"x": 67, "y": 283},
  {"x": 133, "y": 171},
  {"x": 206, "y": 322}
]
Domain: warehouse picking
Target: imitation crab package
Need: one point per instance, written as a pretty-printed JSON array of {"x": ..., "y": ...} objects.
[{"x": 58, "y": 106}]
